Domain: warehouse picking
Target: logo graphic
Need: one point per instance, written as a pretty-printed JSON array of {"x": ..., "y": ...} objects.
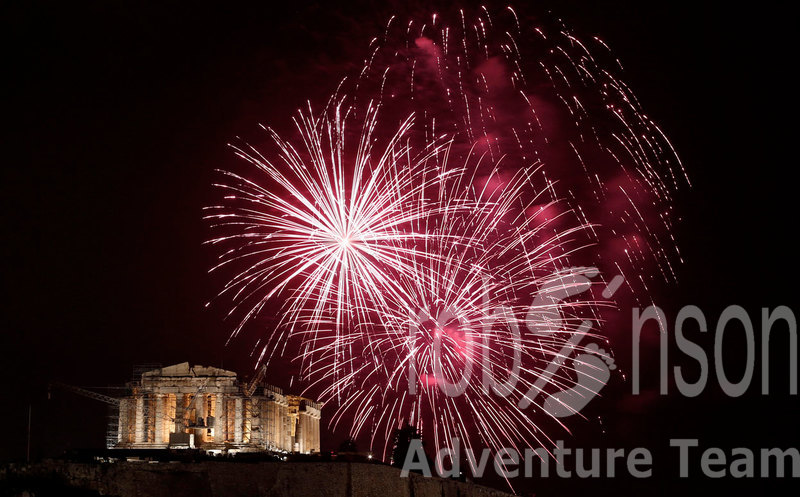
[{"x": 593, "y": 369}]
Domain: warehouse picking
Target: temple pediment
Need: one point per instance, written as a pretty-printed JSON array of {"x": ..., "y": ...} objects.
[{"x": 185, "y": 369}]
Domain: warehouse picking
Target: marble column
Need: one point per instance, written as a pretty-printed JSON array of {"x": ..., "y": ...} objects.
[
  {"x": 239, "y": 416},
  {"x": 139, "y": 431},
  {"x": 160, "y": 414},
  {"x": 221, "y": 421}
]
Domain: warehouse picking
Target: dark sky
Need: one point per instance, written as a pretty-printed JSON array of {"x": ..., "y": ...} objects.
[{"x": 116, "y": 117}]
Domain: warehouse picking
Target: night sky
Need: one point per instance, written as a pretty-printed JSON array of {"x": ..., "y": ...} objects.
[{"x": 116, "y": 117}]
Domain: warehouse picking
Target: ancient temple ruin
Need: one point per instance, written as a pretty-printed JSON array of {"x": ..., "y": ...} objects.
[{"x": 185, "y": 406}]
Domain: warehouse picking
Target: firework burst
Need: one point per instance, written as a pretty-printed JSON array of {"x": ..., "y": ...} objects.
[
  {"x": 465, "y": 319},
  {"x": 533, "y": 91},
  {"x": 404, "y": 250},
  {"x": 325, "y": 228}
]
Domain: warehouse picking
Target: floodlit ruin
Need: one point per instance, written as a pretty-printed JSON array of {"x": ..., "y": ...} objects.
[{"x": 208, "y": 408}]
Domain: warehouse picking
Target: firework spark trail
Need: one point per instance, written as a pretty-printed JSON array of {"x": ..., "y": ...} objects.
[
  {"x": 484, "y": 264},
  {"x": 526, "y": 160},
  {"x": 325, "y": 235},
  {"x": 540, "y": 93},
  {"x": 620, "y": 171}
]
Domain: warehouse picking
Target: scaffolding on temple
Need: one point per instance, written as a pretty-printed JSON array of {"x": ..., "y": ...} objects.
[{"x": 183, "y": 406}]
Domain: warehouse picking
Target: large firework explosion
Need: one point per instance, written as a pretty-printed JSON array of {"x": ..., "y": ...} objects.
[{"x": 438, "y": 214}]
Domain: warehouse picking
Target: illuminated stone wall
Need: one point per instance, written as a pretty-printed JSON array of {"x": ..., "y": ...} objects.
[{"x": 204, "y": 407}]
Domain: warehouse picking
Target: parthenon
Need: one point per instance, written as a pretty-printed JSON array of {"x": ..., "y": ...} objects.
[{"x": 183, "y": 406}]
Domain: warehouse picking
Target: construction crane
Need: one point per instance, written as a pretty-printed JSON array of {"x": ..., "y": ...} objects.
[
  {"x": 82, "y": 391},
  {"x": 259, "y": 376},
  {"x": 114, "y": 406},
  {"x": 111, "y": 436}
]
